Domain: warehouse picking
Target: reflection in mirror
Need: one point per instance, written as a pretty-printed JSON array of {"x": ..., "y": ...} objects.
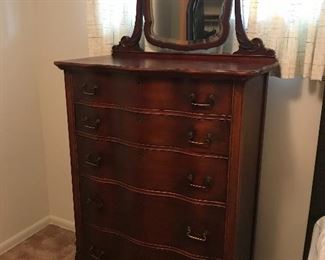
[{"x": 187, "y": 21}]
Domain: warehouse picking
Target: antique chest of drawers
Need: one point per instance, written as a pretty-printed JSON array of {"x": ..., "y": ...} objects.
[{"x": 165, "y": 155}]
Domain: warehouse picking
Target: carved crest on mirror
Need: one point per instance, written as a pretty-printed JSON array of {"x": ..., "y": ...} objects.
[{"x": 187, "y": 25}]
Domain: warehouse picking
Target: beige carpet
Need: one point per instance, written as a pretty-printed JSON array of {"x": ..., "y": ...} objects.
[{"x": 51, "y": 243}]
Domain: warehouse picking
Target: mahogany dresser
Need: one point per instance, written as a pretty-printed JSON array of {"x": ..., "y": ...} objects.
[
  {"x": 166, "y": 147},
  {"x": 165, "y": 155}
]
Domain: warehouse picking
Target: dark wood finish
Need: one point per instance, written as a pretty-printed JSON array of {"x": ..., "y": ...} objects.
[
  {"x": 160, "y": 65},
  {"x": 250, "y": 155},
  {"x": 153, "y": 171},
  {"x": 246, "y": 46},
  {"x": 317, "y": 202},
  {"x": 152, "y": 216},
  {"x": 113, "y": 245},
  {"x": 138, "y": 181},
  {"x": 175, "y": 94},
  {"x": 207, "y": 136},
  {"x": 74, "y": 164}
]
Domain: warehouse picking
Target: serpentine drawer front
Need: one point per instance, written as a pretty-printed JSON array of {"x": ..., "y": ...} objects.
[
  {"x": 145, "y": 92},
  {"x": 191, "y": 134},
  {"x": 164, "y": 165},
  {"x": 157, "y": 220},
  {"x": 108, "y": 244},
  {"x": 195, "y": 177}
]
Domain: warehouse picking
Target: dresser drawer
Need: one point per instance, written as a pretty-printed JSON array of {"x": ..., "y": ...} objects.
[
  {"x": 175, "y": 174},
  {"x": 197, "y": 230},
  {"x": 106, "y": 245},
  {"x": 194, "y": 134},
  {"x": 182, "y": 94}
]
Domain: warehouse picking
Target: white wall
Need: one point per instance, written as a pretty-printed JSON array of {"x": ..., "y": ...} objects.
[
  {"x": 34, "y": 155},
  {"x": 291, "y": 133},
  {"x": 290, "y": 140},
  {"x": 23, "y": 188},
  {"x": 62, "y": 35}
]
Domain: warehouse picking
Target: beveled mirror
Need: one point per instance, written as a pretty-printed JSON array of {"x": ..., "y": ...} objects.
[{"x": 187, "y": 25}]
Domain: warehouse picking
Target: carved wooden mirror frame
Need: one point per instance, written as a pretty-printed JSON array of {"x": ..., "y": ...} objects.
[{"x": 144, "y": 21}]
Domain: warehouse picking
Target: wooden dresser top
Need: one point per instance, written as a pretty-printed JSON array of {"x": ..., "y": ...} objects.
[{"x": 193, "y": 65}]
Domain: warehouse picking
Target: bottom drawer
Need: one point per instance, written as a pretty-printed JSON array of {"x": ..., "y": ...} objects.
[
  {"x": 100, "y": 245},
  {"x": 196, "y": 230}
]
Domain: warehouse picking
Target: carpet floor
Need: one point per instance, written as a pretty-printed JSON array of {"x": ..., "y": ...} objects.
[{"x": 51, "y": 243}]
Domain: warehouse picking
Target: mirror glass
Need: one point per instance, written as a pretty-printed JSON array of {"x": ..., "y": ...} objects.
[{"x": 186, "y": 22}]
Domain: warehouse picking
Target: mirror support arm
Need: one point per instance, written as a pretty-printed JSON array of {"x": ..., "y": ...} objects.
[
  {"x": 131, "y": 44},
  {"x": 247, "y": 46}
]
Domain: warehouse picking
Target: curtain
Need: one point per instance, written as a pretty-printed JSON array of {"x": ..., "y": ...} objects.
[
  {"x": 295, "y": 29},
  {"x": 108, "y": 21}
]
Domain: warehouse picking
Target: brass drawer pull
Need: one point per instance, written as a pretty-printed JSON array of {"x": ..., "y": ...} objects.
[
  {"x": 207, "y": 141},
  {"x": 206, "y": 185},
  {"x": 90, "y": 125},
  {"x": 96, "y": 254},
  {"x": 210, "y": 103},
  {"x": 93, "y": 160},
  {"x": 89, "y": 91},
  {"x": 203, "y": 238},
  {"x": 97, "y": 203}
]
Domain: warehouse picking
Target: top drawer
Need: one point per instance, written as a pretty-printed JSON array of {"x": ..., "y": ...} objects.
[{"x": 176, "y": 94}]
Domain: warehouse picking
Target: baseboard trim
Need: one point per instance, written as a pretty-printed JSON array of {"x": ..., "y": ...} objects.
[
  {"x": 61, "y": 222},
  {"x": 23, "y": 235},
  {"x": 31, "y": 230}
]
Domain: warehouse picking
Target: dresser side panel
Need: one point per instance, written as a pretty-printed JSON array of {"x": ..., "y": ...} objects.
[
  {"x": 73, "y": 160},
  {"x": 254, "y": 100},
  {"x": 233, "y": 168}
]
